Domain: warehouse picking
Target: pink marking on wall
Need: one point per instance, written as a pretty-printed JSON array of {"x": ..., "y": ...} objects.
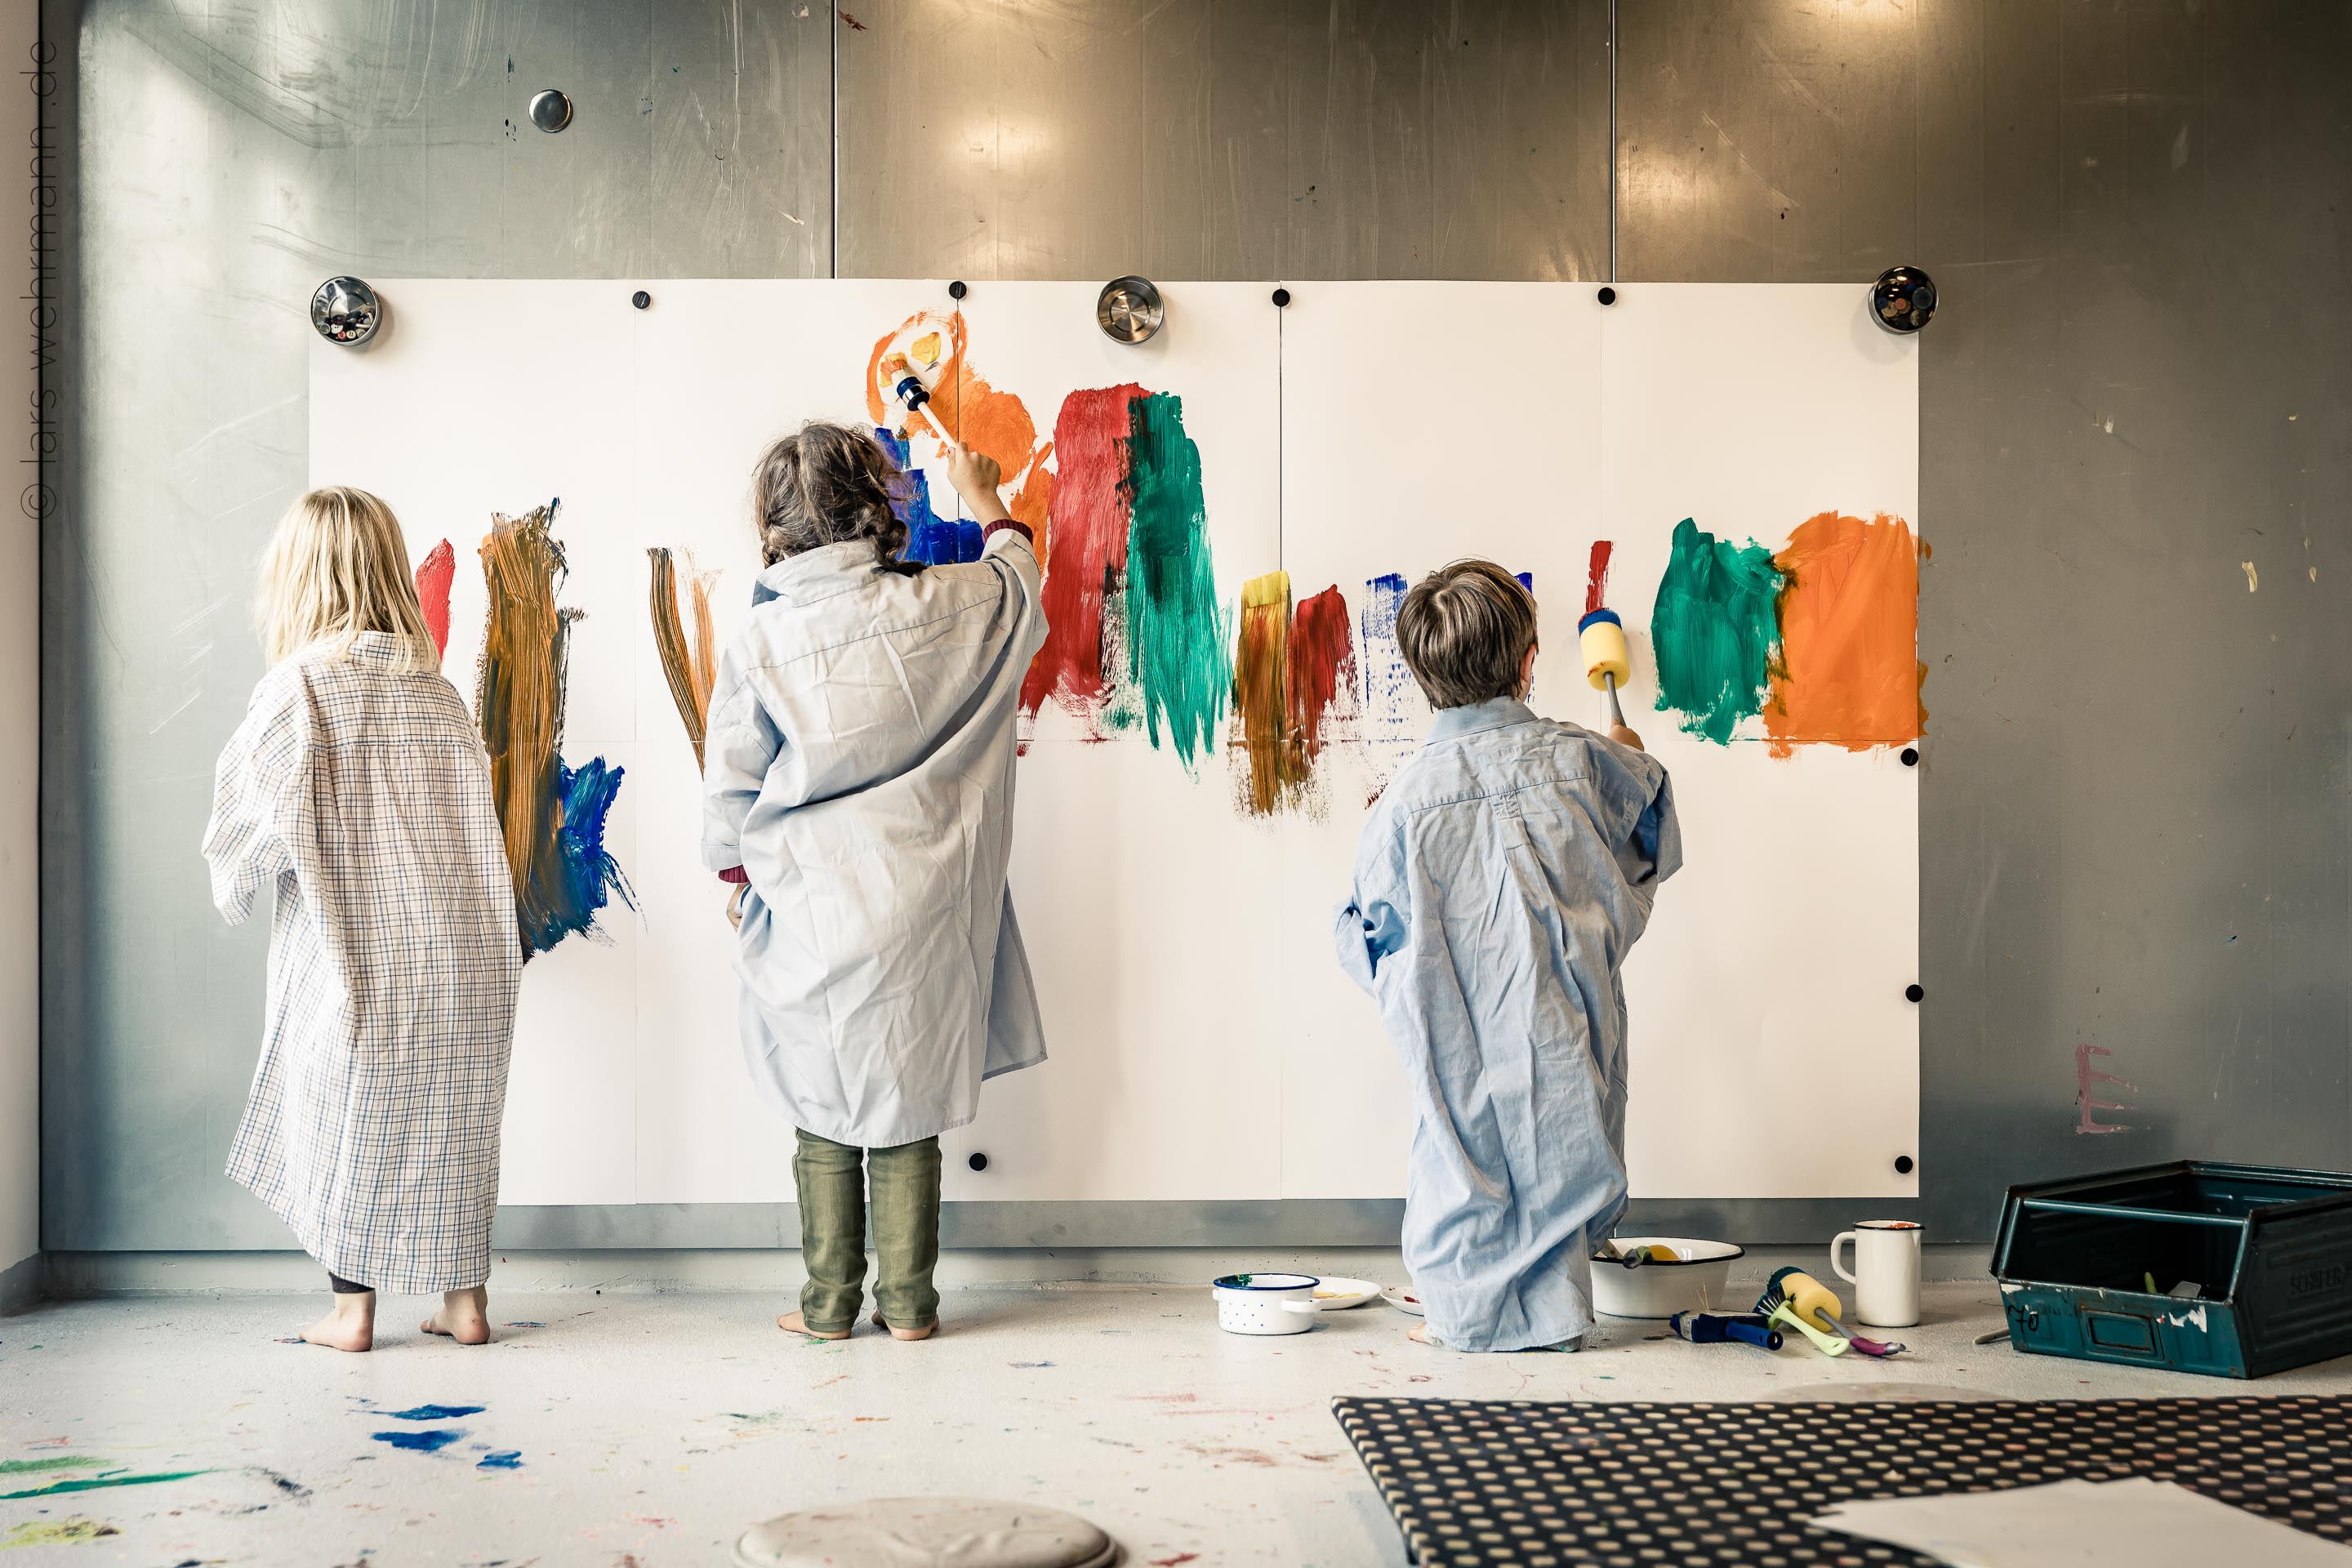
[{"x": 2085, "y": 1102}]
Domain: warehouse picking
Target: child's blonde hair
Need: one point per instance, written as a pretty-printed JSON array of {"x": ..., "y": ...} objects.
[{"x": 337, "y": 566}]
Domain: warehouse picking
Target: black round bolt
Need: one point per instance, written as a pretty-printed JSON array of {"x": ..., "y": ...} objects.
[
  {"x": 1910, "y": 756},
  {"x": 956, "y": 290},
  {"x": 641, "y": 298},
  {"x": 1902, "y": 1165},
  {"x": 978, "y": 1162},
  {"x": 1914, "y": 992},
  {"x": 1608, "y": 296},
  {"x": 1281, "y": 297}
]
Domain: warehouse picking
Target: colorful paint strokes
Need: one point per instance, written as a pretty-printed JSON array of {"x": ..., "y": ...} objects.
[
  {"x": 435, "y": 576},
  {"x": 101, "y": 1482},
  {"x": 1137, "y": 637},
  {"x": 691, "y": 667},
  {"x": 552, "y": 816},
  {"x": 1849, "y": 672},
  {"x": 1293, "y": 680},
  {"x": 56, "y": 1533},
  {"x": 964, "y": 406},
  {"x": 1714, "y": 630}
]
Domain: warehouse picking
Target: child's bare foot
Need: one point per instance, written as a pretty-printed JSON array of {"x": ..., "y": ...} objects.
[
  {"x": 908, "y": 1334},
  {"x": 464, "y": 1316},
  {"x": 349, "y": 1326},
  {"x": 1421, "y": 1336},
  {"x": 794, "y": 1323}
]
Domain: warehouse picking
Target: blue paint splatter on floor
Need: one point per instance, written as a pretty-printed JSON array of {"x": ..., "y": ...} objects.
[
  {"x": 427, "y": 1442},
  {"x": 502, "y": 1459},
  {"x": 1031, "y": 1365},
  {"x": 435, "y": 1412}
]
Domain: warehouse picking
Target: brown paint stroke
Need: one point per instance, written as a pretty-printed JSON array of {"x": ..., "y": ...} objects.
[{"x": 687, "y": 688}]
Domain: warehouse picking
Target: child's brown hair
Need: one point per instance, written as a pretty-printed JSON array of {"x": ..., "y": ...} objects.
[
  {"x": 1464, "y": 631},
  {"x": 827, "y": 484}
]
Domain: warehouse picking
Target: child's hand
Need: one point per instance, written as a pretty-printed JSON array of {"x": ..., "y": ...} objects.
[
  {"x": 1624, "y": 737},
  {"x": 975, "y": 476},
  {"x": 735, "y": 905}
]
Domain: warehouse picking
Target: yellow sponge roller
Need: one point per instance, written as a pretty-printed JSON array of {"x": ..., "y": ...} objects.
[{"x": 1602, "y": 638}]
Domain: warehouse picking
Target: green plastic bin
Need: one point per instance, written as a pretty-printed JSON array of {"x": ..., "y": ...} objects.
[{"x": 2269, "y": 1249}]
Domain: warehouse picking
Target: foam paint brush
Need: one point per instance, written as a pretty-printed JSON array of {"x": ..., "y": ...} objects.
[{"x": 907, "y": 385}]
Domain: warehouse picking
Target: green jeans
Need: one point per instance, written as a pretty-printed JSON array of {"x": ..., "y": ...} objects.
[{"x": 832, "y": 1180}]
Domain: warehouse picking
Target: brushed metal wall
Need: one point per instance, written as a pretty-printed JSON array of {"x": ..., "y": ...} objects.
[{"x": 2136, "y": 836}]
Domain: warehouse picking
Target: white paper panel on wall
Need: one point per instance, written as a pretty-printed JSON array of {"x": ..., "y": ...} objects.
[{"x": 1203, "y": 1043}]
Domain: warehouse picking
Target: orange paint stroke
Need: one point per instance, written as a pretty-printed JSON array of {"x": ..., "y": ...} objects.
[
  {"x": 1848, "y": 673},
  {"x": 1261, "y": 662},
  {"x": 964, "y": 406}
]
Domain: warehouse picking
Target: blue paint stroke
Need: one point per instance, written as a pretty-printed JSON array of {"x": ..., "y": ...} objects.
[
  {"x": 1527, "y": 580},
  {"x": 933, "y": 540},
  {"x": 1030, "y": 1365},
  {"x": 587, "y": 873},
  {"x": 503, "y": 1459},
  {"x": 427, "y": 1442},
  {"x": 435, "y": 1412},
  {"x": 1388, "y": 684}
]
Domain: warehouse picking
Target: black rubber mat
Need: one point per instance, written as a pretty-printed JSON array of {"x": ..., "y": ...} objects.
[{"x": 1474, "y": 1483}]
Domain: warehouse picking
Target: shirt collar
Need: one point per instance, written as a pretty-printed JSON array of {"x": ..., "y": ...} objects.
[
  {"x": 802, "y": 577},
  {"x": 1453, "y": 724}
]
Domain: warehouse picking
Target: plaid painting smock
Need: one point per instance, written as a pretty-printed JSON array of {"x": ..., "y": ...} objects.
[{"x": 363, "y": 795}]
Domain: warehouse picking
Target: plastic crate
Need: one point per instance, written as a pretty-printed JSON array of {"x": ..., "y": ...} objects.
[{"x": 2270, "y": 1250}]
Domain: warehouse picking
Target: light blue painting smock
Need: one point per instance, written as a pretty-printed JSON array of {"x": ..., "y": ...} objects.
[
  {"x": 1508, "y": 867},
  {"x": 858, "y": 766}
]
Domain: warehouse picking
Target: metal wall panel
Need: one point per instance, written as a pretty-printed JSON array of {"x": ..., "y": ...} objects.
[
  {"x": 2134, "y": 816},
  {"x": 1225, "y": 139},
  {"x": 2135, "y": 826},
  {"x": 228, "y": 158}
]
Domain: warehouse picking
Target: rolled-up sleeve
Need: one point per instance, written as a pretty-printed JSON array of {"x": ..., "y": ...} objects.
[{"x": 1371, "y": 925}]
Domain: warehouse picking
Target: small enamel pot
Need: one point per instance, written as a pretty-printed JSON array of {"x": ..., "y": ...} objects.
[{"x": 1266, "y": 1303}]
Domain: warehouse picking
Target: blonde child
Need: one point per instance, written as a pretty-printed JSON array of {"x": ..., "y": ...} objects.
[
  {"x": 357, "y": 789},
  {"x": 858, "y": 787},
  {"x": 1508, "y": 867}
]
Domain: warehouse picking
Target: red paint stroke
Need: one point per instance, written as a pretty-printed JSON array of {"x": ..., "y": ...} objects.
[
  {"x": 1322, "y": 682},
  {"x": 855, "y": 24},
  {"x": 1176, "y": 1561},
  {"x": 1596, "y": 580},
  {"x": 2086, "y": 1074},
  {"x": 434, "y": 574},
  {"x": 964, "y": 407},
  {"x": 1848, "y": 673},
  {"x": 1086, "y": 559}
]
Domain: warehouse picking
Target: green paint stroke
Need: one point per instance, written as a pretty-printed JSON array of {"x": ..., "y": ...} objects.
[
  {"x": 1714, "y": 631},
  {"x": 1176, "y": 632},
  {"x": 64, "y": 1462},
  {"x": 97, "y": 1483}
]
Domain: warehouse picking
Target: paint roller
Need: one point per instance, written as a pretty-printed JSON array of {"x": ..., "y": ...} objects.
[
  {"x": 1794, "y": 1299},
  {"x": 1607, "y": 661}
]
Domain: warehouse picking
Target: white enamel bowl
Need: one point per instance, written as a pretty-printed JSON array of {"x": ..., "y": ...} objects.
[
  {"x": 1697, "y": 1280},
  {"x": 1266, "y": 1303}
]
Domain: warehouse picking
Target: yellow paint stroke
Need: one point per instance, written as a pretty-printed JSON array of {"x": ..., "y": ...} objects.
[
  {"x": 54, "y": 1533},
  {"x": 1260, "y": 707},
  {"x": 925, "y": 350},
  {"x": 2254, "y": 580}
]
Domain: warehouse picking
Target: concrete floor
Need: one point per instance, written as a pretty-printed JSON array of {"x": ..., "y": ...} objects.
[{"x": 647, "y": 1430}]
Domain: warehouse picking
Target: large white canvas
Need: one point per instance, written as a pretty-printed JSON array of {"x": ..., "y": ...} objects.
[{"x": 1205, "y": 1045}]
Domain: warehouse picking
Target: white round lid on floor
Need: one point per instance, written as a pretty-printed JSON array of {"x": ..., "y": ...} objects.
[{"x": 927, "y": 1532}]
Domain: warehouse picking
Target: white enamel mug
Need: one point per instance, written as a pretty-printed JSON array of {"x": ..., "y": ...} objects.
[
  {"x": 1266, "y": 1303},
  {"x": 1885, "y": 1274}
]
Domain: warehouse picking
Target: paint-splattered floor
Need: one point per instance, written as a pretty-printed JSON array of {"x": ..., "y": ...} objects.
[{"x": 650, "y": 1429}]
